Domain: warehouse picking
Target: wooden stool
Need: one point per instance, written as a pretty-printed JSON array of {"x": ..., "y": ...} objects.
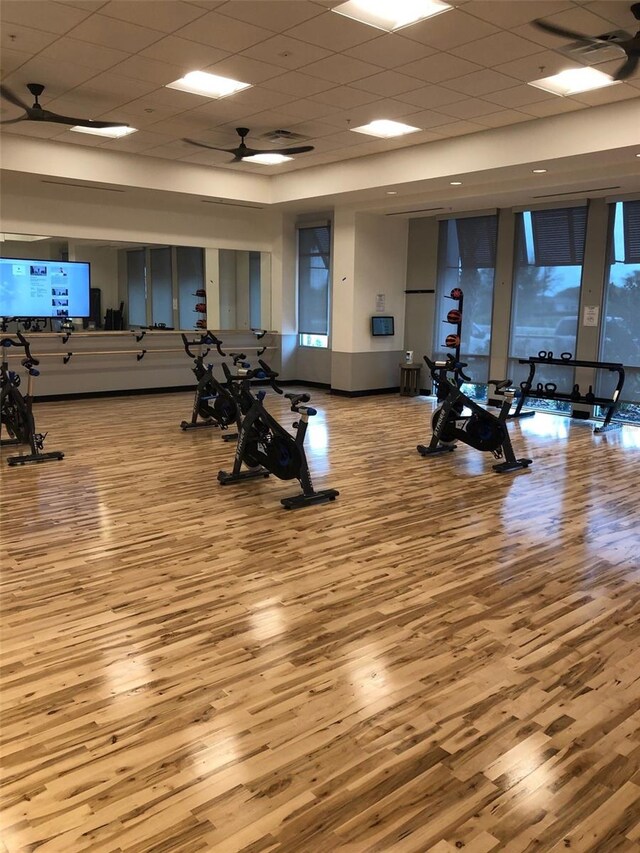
[{"x": 410, "y": 380}]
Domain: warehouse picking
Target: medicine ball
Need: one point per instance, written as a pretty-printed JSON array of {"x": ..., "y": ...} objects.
[
  {"x": 454, "y": 316},
  {"x": 456, "y": 293},
  {"x": 452, "y": 341}
]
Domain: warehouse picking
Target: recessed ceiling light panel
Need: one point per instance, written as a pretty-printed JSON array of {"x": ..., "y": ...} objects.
[
  {"x": 267, "y": 159},
  {"x": 538, "y": 171},
  {"x": 208, "y": 85},
  {"x": 391, "y": 15},
  {"x": 385, "y": 128},
  {"x": 574, "y": 81},
  {"x": 110, "y": 132}
]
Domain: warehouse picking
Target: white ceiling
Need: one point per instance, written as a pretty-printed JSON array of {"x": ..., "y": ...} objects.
[{"x": 311, "y": 72}]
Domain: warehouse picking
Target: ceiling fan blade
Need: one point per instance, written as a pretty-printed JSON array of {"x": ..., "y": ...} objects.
[
  {"x": 46, "y": 115},
  {"x": 14, "y": 120},
  {"x": 627, "y": 68},
  {"x": 8, "y": 95},
  {"x": 300, "y": 149},
  {"x": 210, "y": 147},
  {"x": 569, "y": 34}
]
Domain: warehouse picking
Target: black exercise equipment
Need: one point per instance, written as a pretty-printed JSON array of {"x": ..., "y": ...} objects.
[
  {"x": 265, "y": 447},
  {"x": 452, "y": 341},
  {"x": 550, "y": 392},
  {"x": 213, "y": 402},
  {"x": 16, "y": 409},
  {"x": 480, "y": 429}
]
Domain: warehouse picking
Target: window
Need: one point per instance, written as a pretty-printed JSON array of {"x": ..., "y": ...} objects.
[
  {"x": 314, "y": 272},
  {"x": 161, "y": 287},
  {"x": 466, "y": 259},
  {"x": 620, "y": 328},
  {"x": 546, "y": 294}
]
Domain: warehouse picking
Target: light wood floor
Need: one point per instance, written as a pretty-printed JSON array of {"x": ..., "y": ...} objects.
[{"x": 444, "y": 658}]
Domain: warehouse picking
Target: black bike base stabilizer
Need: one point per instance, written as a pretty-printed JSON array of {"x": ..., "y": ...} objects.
[
  {"x": 321, "y": 497},
  {"x": 430, "y": 451},
  {"x": 504, "y": 467},
  {"x": 35, "y": 457},
  {"x": 225, "y": 477},
  {"x": 198, "y": 425}
]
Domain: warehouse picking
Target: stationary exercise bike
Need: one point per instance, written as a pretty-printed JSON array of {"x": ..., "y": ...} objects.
[
  {"x": 213, "y": 405},
  {"x": 480, "y": 429},
  {"x": 265, "y": 447},
  {"x": 16, "y": 409}
]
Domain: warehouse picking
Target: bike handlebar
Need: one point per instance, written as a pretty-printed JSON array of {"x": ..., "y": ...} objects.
[{"x": 450, "y": 365}]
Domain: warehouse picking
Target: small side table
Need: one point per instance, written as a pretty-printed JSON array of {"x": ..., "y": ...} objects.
[{"x": 410, "y": 380}]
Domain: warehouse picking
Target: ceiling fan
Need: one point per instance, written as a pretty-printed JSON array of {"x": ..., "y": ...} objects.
[
  {"x": 630, "y": 45},
  {"x": 243, "y": 150},
  {"x": 38, "y": 113}
]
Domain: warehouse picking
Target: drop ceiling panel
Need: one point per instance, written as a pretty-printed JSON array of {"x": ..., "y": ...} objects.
[
  {"x": 496, "y": 49},
  {"x": 98, "y": 29},
  {"x": 469, "y": 108},
  {"x": 189, "y": 55},
  {"x": 223, "y": 32},
  {"x": 90, "y": 55},
  {"x": 427, "y": 119},
  {"x": 341, "y": 69},
  {"x": 616, "y": 11},
  {"x": 386, "y": 83},
  {"x": 286, "y": 52},
  {"x": 297, "y": 84},
  {"x": 24, "y": 39},
  {"x": 439, "y": 67},
  {"x": 502, "y": 118},
  {"x": 390, "y": 50},
  {"x": 58, "y": 76},
  {"x": 510, "y": 14},
  {"x": 344, "y": 97},
  {"x": 431, "y": 97},
  {"x": 277, "y": 15},
  {"x": 482, "y": 82},
  {"x": 450, "y": 29},
  {"x": 378, "y": 109},
  {"x": 10, "y": 60},
  {"x": 244, "y": 69},
  {"x": 42, "y": 15},
  {"x": 143, "y": 68},
  {"x": 519, "y": 96},
  {"x": 537, "y": 65},
  {"x": 157, "y": 14},
  {"x": 333, "y": 32}
]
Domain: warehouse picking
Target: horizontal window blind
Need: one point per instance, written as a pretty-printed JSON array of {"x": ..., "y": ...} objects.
[
  {"x": 314, "y": 258},
  {"x": 477, "y": 239},
  {"x": 559, "y": 236},
  {"x": 631, "y": 229}
]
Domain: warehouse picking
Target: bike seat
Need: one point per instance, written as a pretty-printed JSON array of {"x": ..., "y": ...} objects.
[{"x": 500, "y": 384}]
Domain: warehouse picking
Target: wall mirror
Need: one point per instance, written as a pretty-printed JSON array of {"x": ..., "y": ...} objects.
[{"x": 174, "y": 287}]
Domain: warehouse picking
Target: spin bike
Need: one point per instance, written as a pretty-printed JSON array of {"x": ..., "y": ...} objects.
[
  {"x": 480, "y": 429},
  {"x": 16, "y": 409},
  {"x": 265, "y": 447},
  {"x": 213, "y": 402}
]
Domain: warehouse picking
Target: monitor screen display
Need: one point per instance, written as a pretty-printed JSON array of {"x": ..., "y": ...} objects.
[
  {"x": 381, "y": 326},
  {"x": 44, "y": 288}
]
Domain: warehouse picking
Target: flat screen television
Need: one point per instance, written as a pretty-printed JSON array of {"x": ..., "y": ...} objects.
[
  {"x": 382, "y": 326},
  {"x": 31, "y": 288}
]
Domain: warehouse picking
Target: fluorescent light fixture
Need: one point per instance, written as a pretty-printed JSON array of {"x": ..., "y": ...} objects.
[
  {"x": 391, "y": 15},
  {"x": 574, "y": 81},
  {"x": 455, "y": 183},
  {"x": 392, "y": 192},
  {"x": 111, "y": 132},
  {"x": 22, "y": 238},
  {"x": 385, "y": 129},
  {"x": 267, "y": 159},
  {"x": 209, "y": 85},
  {"x": 538, "y": 171}
]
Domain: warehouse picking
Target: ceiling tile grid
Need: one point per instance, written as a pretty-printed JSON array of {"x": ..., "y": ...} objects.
[{"x": 311, "y": 71}]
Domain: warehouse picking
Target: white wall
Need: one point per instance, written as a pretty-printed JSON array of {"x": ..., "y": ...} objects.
[
  {"x": 104, "y": 271},
  {"x": 380, "y": 268}
]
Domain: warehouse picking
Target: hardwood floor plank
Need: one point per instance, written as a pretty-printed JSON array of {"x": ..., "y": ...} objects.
[{"x": 442, "y": 659}]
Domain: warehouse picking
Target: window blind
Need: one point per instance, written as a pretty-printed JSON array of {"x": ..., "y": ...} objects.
[
  {"x": 631, "y": 230},
  {"x": 477, "y": 239},
  {"x": 559, "y": 236},
  {"x": 314, "y": 257}
]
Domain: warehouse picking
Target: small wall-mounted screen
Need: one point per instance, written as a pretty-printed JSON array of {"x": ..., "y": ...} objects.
[
  {"x": 44, "y": 288},
  {"x": 382, "y": 326}
]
